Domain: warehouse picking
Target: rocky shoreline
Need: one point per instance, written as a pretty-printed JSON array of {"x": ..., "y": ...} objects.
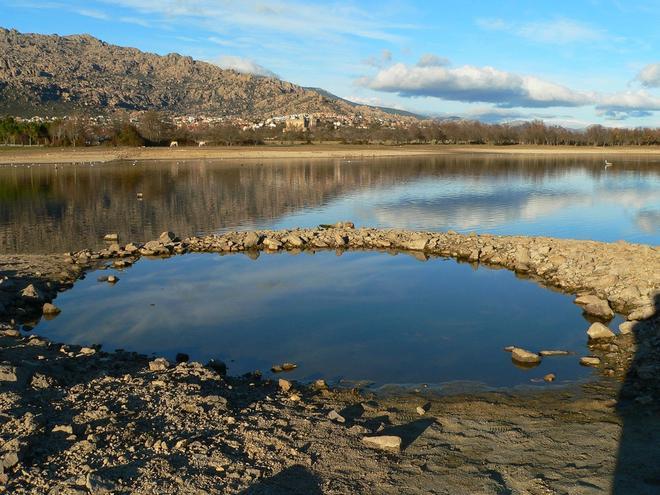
[{"x": 80, "y": 420}]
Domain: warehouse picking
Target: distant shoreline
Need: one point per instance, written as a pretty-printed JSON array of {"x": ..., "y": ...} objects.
[{"x": 102, "y": 154}]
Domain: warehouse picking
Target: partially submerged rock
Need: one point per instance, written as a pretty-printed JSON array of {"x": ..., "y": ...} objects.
[
  {"x": 598, "y": 331},
  {"x": 50, "y": 309},
  {"x": 524, "y": 356},
  {"x": 590, "y": 361},
  {"x": 595, "y": 306}
]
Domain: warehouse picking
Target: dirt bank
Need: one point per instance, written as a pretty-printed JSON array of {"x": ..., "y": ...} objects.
[
  {"x": 103, "y": 154},
  {"x": 80, "y": 420}
]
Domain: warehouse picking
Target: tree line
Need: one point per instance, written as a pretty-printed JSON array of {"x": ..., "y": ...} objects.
[{"x": 153, "y": 129}]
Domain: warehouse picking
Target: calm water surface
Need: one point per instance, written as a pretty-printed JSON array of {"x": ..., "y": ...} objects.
[
  {"x": 359, "y": 316},
  {"x": 44, "y": 210}
]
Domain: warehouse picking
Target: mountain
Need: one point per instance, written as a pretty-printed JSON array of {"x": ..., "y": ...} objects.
[{"x": 59, "y": 75}]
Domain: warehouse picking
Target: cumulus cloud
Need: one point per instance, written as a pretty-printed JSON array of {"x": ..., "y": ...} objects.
[
  {"x": 243, "y": 65},
  {"x": 555, "y": 31},
  {"x": 649, "y": 76},
  {"x": 473, "y": 84},
  {"x": 619, "y": 106}
]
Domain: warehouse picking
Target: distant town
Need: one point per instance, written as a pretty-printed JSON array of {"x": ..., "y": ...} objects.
[{"x": 153, "y": 128}]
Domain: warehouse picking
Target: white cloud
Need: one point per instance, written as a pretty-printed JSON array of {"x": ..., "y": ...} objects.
[
  {"x": 470, "y": 84},
  {"x": 431, "y": 60},
  {"x": 298, "y": 18},
  {"x": 94, "y": 14},
  {"x": 243, "y": 65},
  {"x": 474, "y": 84},
  {"x": 649, "y": 76},
  {"x": 556, "y": 31}
]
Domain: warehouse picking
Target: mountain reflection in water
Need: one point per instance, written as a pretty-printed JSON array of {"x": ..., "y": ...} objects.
[{"x": 47, "y": 210}]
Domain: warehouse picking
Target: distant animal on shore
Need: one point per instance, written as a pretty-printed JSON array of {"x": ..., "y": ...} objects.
[
  {"x": 608, "y": 164},
  {"x": 201, "y": 143},
  {"x": 174, "y": 144}
]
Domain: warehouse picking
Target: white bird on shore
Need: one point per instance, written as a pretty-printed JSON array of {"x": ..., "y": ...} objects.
[{"x": 608, "y": 164}]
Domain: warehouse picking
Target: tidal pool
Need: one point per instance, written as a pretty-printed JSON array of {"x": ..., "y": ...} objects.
[
  {"x": 45, "y": 209},
  {"x": 387, "y": 319}
]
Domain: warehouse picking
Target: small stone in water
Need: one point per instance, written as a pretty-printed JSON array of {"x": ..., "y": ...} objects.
[
  {"x": 589, "y": 361},
  {"x": 550, "y": 377},
  {"x": 50, "y": 309},
  {"x": 112, "y": 279}
]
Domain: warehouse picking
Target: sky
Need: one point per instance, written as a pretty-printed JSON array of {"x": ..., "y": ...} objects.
[{"x": 572, "y": 63}]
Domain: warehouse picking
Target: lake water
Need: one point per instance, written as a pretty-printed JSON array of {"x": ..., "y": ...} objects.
[
  {"x": 359, "y": 316},
  {"x": 44, "y": 209}
]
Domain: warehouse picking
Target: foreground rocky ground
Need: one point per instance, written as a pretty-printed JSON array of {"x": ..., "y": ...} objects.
[{"x": 79, "y": 420}]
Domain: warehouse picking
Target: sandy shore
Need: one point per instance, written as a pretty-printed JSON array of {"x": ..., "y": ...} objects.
[
  {"x": 80, "y": 420},
  {"x": 103, "y": 154}
]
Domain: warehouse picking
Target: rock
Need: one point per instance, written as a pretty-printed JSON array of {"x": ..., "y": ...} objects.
[
  {"x": 68, "y": 429},
  {"x": 420, "y": 410},
  {"x": 251, "y": 240},
  {"x": 278, "y": 368},
  {"x": 9, "y": 460},
  {"x": 87, "y": 351},
  {"x": 335, "y": 416},
  {"x": 595, "y": 306},
  {"x": 627, "y": 327},
  {"x": 550, "y": 377},
  {"x": 182, "y": 357},
  {"x": 589, "y": 361},
  {"x": 102, "y": 278},
  {"x": 8, "y": 373},
  {"x": 340, "y": 239},
  {"x": 598, "y": 331},
  {"x": 32, "y": 293},
  {"x": 523, "y": 356},
  {"x": 112, "y": 279},
  {"x": 344, "y": 225},
  {"x": 272, "y": 244},
  {"x": 384, "y": 442},
  {"x": 642, "y": 313},
  {"x": 111, "y": 237},
  {"x": 320, "y": 384},
  {"x": 285, "y": 385},
  {"x": 167, "y": 237},
  {"x": 154, "y": 246},
  {"x": 416, "y": 244},
  {"x": 97, "y": 485},
  {"x": 554, "y": 353},
  {"x": 159, "y": 364},
  {"x": 294, "y": 240},
  {"x": 50, "y": 309}
]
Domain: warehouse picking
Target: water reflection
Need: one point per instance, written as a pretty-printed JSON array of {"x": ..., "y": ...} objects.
[
  {"x": 371, "y": 316},
  {"x": 46, "y": 210}
]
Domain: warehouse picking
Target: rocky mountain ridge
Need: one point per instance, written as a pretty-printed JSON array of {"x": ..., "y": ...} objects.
[{"x": 59, "y": 75}]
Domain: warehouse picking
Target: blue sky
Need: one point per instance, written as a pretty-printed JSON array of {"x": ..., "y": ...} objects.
[{"x": 568, "y": 62}]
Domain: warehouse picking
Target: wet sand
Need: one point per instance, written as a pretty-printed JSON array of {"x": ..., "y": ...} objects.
[{"x": 98, "y": 154}]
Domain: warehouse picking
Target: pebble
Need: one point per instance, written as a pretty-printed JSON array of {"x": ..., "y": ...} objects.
[
  {"x": 285, "y": 385},
  {"x": 550, "y": 377},
  {"x": 112, "y": 279},
  {"x": 627, "y": 327},
  {"x": 554, "y": 353},
  {"x": 111, "y": 237}
]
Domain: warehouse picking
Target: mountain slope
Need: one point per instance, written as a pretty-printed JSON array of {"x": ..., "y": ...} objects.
[{"x": 50, "y": 74}]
